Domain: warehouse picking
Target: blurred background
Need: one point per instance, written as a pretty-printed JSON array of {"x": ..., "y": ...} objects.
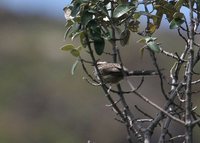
[{"x": 40, "y": 101}]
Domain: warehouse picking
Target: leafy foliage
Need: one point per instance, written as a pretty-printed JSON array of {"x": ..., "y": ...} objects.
[
  {"x": 122, "y": 9},
  {"x": 96, "y": 22},
  {"x": 74, "y": 51},
  {"x": 150, "y": 42},
  {"x": 96, "y": 19}
]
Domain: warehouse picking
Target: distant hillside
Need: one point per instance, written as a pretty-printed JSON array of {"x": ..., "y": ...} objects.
[{"x": 8, "y": 16}]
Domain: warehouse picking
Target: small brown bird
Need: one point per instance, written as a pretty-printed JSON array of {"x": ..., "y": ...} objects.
[{"x": 113, "y": 72}]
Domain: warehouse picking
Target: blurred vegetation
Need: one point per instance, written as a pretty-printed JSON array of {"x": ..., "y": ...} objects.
[{"x": 40, "y": 102}]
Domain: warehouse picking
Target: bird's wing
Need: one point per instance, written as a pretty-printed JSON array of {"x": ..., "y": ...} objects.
[{"x": 112, "y": 68}]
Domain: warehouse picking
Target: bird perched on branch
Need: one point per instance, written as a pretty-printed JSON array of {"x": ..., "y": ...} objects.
[{"x": 114, "y": 72}]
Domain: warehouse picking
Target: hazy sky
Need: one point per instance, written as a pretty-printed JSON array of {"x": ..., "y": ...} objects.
[
  {"x": 52, "y": 8},
  {"x": 44, "y": 7}
]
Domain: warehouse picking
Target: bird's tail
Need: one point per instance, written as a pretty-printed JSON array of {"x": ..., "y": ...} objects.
[{"x": 142, "y": 73}]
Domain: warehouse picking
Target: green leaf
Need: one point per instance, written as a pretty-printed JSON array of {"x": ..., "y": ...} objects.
[
  {"x": 95, "y": 34},
  {"x": 153, "y": 46},
  {"x": 179, "y": 4},
  {"x": 139, "y": 13},
  {"x": 69, "y": 23},
  {"x": 74, "y": 29},
  {"x": 74, "y": 66},
  {"x": 150, "y": 43},
  {"x": 146, "y": 39},
  {"x": 175, "y": 23},
  {"x": 95, "y": 30},
  {"x": 86, "y": 17},
  {"x": 67, "y": 47},
  {"x": 198, "y": 3},
  {"x": 77, "y": 19},
  {"x": 133, "y": 25},
  {"x": 99, "y": 46},
  {"x": 122, "y": 9},
  {"x": 75, "y": 52},
  {"x": 178, "y": 15},
  {"x": 107, "y": 36},
  {"x": 75, "y": 35},
  {"x": 83, "y": 39},
  {"x": 136, "y": 15},
  {"x": 92, "y": 24},
  {"x": 159, "y": 15},
  {"x": 67, "y": 32},
  {"x": 124, "y": 37},
  {"x": 75, "y": 9},
  {"x": 152, "y": 28},
  {"x": 83, "y": 1}
]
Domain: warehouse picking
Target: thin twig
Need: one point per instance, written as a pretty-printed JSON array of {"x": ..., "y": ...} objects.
[
  {"x": 152, "y": 54},
  {"x": 158, "y": 107},
  {"x": 145, "y": 114},
  {"x": 176, "y": 137},
  {"x": 170, "y": 55}
]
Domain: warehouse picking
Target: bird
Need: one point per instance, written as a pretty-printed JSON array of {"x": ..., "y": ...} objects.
[{"x": 113, "y": 73}]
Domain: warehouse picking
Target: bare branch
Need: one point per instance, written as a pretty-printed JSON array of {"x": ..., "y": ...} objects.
[
  {"x": 171, "y": 55},
  {"x": 158, "y": 107}
]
